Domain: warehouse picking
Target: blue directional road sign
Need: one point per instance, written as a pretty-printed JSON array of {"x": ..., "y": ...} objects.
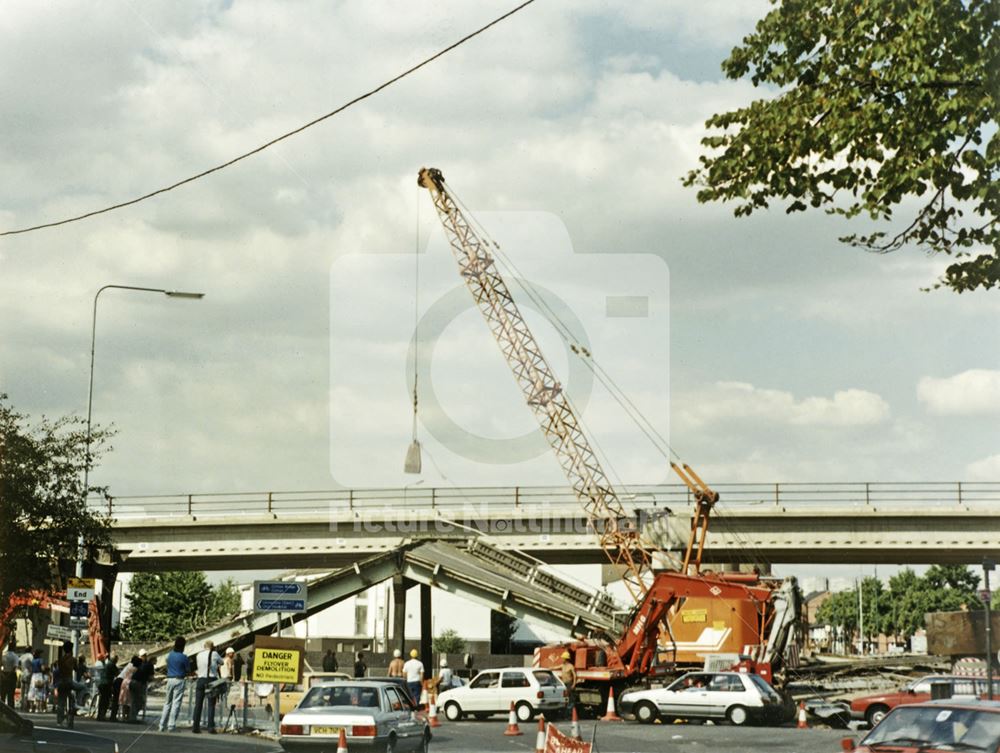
[
  {"x": 282, "y": 587},
  {"x": 281, "y": 605},
  {"x": 279, "y": 596}
]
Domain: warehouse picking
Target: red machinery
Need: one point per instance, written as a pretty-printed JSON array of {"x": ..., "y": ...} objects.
[
  {"x": 56, "y": 601},
  {"x": 680, "y": 617}
]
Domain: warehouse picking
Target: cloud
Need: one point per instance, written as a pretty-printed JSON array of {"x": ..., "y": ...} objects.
[
  {"x": 970, "y": 393},
  {"x": 987, "y": 469},
  {"x": 728, "y": 401}
]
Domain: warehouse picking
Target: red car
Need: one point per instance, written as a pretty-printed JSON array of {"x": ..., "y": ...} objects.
[
  {"x": 873, "y": 708},
  {"x": 935, "y": 727}
]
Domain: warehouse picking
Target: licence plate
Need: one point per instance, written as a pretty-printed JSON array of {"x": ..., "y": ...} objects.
[{"x": 325, "y": 730}]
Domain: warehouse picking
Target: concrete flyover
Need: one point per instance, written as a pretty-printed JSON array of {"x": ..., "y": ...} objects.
[{"x": 863, "y": 523}]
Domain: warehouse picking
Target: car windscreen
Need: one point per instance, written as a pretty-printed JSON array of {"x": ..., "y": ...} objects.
[
  {"x": 348, "y": 696},
  {"x": 545, "y": 678},
  {"x": 762, "y": 685},
  {"x": 933, "y": 726}
]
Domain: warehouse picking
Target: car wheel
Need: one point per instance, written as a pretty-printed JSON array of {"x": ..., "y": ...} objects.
[
  {"x": 876, "y": 713},
  {"x": 737, "y": 715},
  {"x": 646, "y": 712},
  {"x": 452, "y": 711},
  {"x": 390, "y": 745},
  {"x": 524, "y": 712},
  {"x": 425, "y": 743}
]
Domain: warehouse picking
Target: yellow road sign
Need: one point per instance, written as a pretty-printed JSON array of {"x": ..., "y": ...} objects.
[{"x": 278, "y": 659}]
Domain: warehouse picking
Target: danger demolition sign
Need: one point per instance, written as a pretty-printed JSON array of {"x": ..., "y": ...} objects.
[
  {"x": 278, "y": 659},
  {"x": 557, "y": 742}
]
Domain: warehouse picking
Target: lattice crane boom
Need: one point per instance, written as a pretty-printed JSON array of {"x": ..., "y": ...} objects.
[{"x": 616, "y": 529}]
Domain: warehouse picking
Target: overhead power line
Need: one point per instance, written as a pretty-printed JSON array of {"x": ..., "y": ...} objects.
[{"x": 282, "y": 137}]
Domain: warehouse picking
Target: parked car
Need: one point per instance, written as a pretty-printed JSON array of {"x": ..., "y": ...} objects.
[
  {"x": 738, "y": 697},
  {"x": 493, "y": 690},
  {"x": 873, "y": 708},
  {"x": 935, "y": 727},
  {"x": 20, "y": 735},
  {"x": 374, "y": 716}
]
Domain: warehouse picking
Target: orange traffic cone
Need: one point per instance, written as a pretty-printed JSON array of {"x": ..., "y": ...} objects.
[
  {"x": 611, "y": 716},
  {"x": 540, "y": 739},
  {"x": 512, "y": 728},
  {"x": 802, "y": 716},
  {"x": 432, "y": 712},
  {"x": 342, "y": 743},
  {"x": 574, "y": 726}
]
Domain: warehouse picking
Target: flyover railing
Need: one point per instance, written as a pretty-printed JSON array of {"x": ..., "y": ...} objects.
[{"x": 884, "y": 496}]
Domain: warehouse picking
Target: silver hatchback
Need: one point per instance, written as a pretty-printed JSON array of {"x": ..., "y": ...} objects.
[{"x": 373, "y": 715}]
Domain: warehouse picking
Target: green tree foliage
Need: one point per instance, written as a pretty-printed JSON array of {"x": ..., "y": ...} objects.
[
  {"x": 448, "y": 642},
  {"x": 900, "y": 609},
  {"x": 165, "y": 605},
  {"x": 872, "y": 103},
  {"x": 42, "y": 501}
]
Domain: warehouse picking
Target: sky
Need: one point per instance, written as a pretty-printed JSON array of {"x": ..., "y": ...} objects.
[{"x": 763, "y": 349}]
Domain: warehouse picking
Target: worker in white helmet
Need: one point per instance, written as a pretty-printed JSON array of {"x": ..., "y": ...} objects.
[
  {"x": 445, "y": 678},
  {"x": 396, "y": 665}
]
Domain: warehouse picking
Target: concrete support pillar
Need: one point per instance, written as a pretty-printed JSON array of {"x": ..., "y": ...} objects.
[
  {"x": 426, "y": 631},
  {"x": 398, "y": 637},
  {"x": 109, "y": 577}
]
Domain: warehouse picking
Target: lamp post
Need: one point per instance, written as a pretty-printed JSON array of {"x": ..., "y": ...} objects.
[
  {"x": 90, "y": 407},
  {"x": 988, "y": 567}
]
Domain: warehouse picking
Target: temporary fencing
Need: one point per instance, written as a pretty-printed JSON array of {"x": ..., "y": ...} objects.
[{"x": 242, "y": 705}]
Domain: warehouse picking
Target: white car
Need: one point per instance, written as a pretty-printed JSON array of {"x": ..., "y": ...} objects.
[
  {"x": 493, "y": 690},
  {"x": 738, "y": 697}
]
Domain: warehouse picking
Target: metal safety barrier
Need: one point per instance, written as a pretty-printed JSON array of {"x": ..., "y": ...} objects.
[
  {"x": 242, "y": 705},
  {"x": 542, "y": 500}
]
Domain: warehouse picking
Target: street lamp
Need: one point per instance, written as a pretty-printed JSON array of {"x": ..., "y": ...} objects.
[
  {"x": 988, "y": 567},
  {"x": 90, "y": 405}
]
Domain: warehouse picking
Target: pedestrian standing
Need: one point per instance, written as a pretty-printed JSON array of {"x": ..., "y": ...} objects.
[
  {"x": 8, "y": 675},
  {"x": 360, "y": 668},
  {"x": 238, "y": 663},
  {"x": 103, "y": 678},
  {"x": 116, "y": 687},
  {"x": 330, "y": 661},
  {"x": 124, "y": 694},
  {"x": 137, "y": 687},
  {"x": 226, "y": 672},
  {"x": 38, "y": 696},
  {"x": 396, "y": 665},
  {"x": 24, "y": 664},
  {"x": 178, "y": 668},
  {"x": 65, "y": 705},
  {"x": 413, "y": 671},
  {"x": 207, "y": 666}
]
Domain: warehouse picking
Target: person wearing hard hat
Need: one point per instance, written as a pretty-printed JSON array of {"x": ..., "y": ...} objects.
[
  {"x": 396, "y": 665},
  {"x": 567, "y": 673},
  {"x": 445, "y": 677},
  {"x": 413, "y": 671}
]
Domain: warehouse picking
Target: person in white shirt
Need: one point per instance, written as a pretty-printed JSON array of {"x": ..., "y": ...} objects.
[
  {"x": 445, "y": 677},
  {"x": 207, "y": 665},
  {"x": 24, "y": 664},
  {"x": 413, "y": 671}
]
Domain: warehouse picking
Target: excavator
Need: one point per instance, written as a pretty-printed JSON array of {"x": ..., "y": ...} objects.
[{"x": 681, "y": 617}]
